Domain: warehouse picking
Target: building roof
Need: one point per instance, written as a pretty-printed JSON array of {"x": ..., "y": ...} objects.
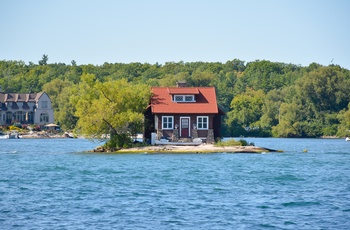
[
  {"x": 183, "y": 90},
  {"x": 20, "y": 97},
  {"x": 161, "y": 101}
]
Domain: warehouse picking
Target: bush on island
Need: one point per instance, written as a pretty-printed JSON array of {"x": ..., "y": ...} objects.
[{"x": 232, "y": 142}]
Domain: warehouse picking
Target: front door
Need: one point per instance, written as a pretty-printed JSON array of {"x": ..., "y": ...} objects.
[{"x": 185, "y": 127}]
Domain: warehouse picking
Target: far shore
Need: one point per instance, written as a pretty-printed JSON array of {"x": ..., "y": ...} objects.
[{"x": 43, "y": 135}]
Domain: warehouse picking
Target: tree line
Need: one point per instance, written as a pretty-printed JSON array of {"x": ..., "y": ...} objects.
[{"x": 260, "y": 98}]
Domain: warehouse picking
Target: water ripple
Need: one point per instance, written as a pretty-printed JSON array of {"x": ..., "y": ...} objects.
[{"x": 55, "y": 189}]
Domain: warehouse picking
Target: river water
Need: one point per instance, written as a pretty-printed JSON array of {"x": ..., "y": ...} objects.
[{"x": 55, "y": 184}]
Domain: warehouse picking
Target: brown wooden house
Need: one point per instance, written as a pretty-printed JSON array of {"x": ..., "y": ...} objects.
[{"x": 183, "y": 113}]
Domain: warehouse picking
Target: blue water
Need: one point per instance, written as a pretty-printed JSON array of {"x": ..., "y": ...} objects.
[{"x": 54, "y": 184}]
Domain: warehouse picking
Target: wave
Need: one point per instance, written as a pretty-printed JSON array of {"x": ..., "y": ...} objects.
[{"x": 9, "y": 152}]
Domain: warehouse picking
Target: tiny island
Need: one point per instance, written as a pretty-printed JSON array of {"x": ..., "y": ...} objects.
[
  {"x": 203, "y": 148},
  {"x": 228, "y": 146}
]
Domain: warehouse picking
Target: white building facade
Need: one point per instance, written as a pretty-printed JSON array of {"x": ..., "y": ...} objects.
[{"x": 25, "y": 108}]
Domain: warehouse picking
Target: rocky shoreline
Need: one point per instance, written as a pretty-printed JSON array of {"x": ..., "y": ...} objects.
[
  {"x": 44, "y": 134},
  {"x": 203, "y": 148}
]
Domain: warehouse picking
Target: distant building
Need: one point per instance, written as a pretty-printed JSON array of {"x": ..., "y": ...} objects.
[
  {"x": 182, "y": 112},
  {"x": 25, "y": 108}
]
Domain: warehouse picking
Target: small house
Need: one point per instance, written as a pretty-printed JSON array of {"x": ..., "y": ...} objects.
[{"x": 183, "y": 113}]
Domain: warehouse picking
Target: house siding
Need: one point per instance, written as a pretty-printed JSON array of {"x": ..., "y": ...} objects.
[
  {"x": 30, "y": 105},
  {"x": 168, "y": 133},
  {"x": 184, "y": 114}
]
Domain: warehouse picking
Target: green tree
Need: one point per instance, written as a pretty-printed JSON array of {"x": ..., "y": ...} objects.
[
  {"x": 324, "y": 89},
  {"x": 44, "y": 60},
  {"x": 247, "y": 109},
  {"x": 114, "y": 108},
  {"x": 271, "y": 109},
  {"x": 66, "y": 104},
  {"x": 224, "y": 84},
  {"x": 344, "y": 126},
  {"x": 290, "y": 121},
  {"x": 200, "y": 79},
  {"x": 55, "y": 90}
]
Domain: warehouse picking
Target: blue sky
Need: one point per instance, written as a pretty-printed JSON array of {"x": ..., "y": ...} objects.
[{"x": 94, "y": 32}]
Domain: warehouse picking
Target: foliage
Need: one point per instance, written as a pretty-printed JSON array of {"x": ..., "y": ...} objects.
[
  {"x": 14, "y": 128},
  {"x": 231, "y": 142},
  {"x": 246, "y": 110},
  {"x": 260, "y": 98},
  {"x": 344, "y": 118},
  {"x": 114, "y": 108},
  {"x": 44, "y": 60}
]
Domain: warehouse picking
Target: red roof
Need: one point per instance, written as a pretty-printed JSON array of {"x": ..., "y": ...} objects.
[
  {"x": 183, "y": 90},
  {"x": 161, "y": 101}
]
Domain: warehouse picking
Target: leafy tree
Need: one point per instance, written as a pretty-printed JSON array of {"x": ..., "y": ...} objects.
[
  {"x": 114, "y": 108},
  {"x": 264, "y": 75},
  {"x": 224, "y": 84},
  {"x": 44, "y": 60},
  {"x": 201, "y": 79},
  {"x": 235, "y": 65},
  {"x": 171, "y": 80},
  {"x": 344, "y": 126},
  {"x": 247, "y": 109},
  {"x": 271, "y": 109},
  {"x": 55, "y": 89},
  {"x": 324, "y": 89},
  {"x": 290, "y": 121}
]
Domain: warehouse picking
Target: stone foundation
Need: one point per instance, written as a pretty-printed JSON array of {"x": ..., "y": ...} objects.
[
  {"x": 159, "y": 134},
  {"x": 194, "y": 133},
  {"x": 175, "y": 136},
  {"x": 210, "y": 137}
]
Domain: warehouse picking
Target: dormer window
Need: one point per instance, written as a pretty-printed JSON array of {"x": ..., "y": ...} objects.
[{"x": 184, "y": 98}]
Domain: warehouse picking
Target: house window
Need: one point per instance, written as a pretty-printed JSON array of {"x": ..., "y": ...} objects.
[
  {"x": 44, "y": 104},
  {"x": 30, "y": 117},
  {"x": 179, "y": 98},
  {"x": 184, "y": 98},
  {"x": 167, "y": 122},
  {"x": 202, "y": 122},
  {"x": 44, "y": 117},
  {"x": 189, "y": 98},
  {"x": 19, "y": 116},
  {"x": 8, "y": 117}
]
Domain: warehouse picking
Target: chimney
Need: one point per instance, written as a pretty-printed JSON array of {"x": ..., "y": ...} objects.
[
  {"x": 0, "y": 89},
  {"x": 181, "y": 84}
]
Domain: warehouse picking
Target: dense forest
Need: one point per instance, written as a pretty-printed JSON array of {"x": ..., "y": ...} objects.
[{"x": 260, "y": 98}]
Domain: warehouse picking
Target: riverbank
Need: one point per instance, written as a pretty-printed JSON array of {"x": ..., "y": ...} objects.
[
  {"x": 203, "y": 148},
  {"x": 44, "y": 134}
]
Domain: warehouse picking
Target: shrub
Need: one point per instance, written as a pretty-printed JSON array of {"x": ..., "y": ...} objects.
[
  {"x": 232, "y": 142},
  {"x": 14, "y": 128}
]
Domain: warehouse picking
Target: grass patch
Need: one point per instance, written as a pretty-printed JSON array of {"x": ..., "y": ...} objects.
[{"x": 232, "y": 142}]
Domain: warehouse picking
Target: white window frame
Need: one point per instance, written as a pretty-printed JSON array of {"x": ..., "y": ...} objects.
[
  {"x": 183, "y": 98},
  {"x": 167, "y": 122},
  {"x": 200, "y": 124}
]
